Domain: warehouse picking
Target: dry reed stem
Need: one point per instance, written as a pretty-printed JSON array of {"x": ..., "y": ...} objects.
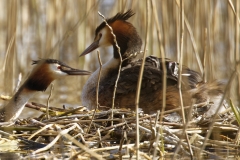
[
  {"x": 164, "y": 76},
  {"x": 8, "y": 52},
  {"x": 237, "y": 44},
  {"x": 83, "y": 147},
  {"x": 186, "y": 107},
  {"x": 234, "y": 11},
  {"x": 215, "y": 115},
  {"x": 6, "y": 124},
  {"x": 113, "y": 147},
  {"x": 237, "y": 37},
  {"x": 237, "y": 138},
  {"x": 74, "y": 125},
  {"x": 142, "y": 128},
  {"x": 181, "y": 57},
  {"x": 71, "y": 31},
  {"x": 36, "y": 123},
  {"x": 55, "y": 139},
  {"x": 145, "y": 155},
  {"x": 70, "y": 111},
  {"x": 99, "y": 76},
  {"x": 182, "y": 20},
  {"x": 139, "y": 83},
  {"x": 100, "y": 138},
  {"x": 193, "y": 41},
  {"x": 5, "y": 134},
  {"x": 53, "y": 119},
  {"x": 159, "y": 38},
  {"x": 194, "y": 45},
  {"x": 162, "y": 53},
  {"x": 48, "y": 101},
  {"x": 40, "y": 130},
  {"x": 235, "y": 111},
  {"x": 104, "y": 120},
  {"x": 205, "y": 56},
  {"x": 97, "y": 89},
  {"x": 120, "y": 64},
  {"x": 171, "y": 136},
  {"x": 198, "y": 20}
]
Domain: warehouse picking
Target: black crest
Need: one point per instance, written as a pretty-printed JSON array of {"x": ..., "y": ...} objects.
[
  {"x": 119, "y": 16},
  {"x": 49, "y": 61}
]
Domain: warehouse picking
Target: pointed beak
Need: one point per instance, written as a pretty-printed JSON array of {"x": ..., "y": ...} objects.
[
  {"x": 73, "y": 71},
  {"x": 92, "y": 47}
]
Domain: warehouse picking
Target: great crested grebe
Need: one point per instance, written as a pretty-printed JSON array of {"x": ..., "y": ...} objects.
[
  {"x": 45, "y": 71},
  {"x": 151, "y": 90}
]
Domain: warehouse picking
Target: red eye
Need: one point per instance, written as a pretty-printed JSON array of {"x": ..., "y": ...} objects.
[{"x": 59, "y": 67}]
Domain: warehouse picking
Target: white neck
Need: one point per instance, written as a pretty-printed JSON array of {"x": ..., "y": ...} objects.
[
  {"x": 88, "y": 97},
  {"x": 15, "y": 106}
]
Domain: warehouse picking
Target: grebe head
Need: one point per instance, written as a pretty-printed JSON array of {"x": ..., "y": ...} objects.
[
  {"x": 45, "y": 71},
  {"x": 48, "y": 70},
  {"x": 126, "y": 35}
]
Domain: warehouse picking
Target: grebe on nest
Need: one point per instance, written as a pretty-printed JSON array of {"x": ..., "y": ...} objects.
[{"x": 151, "y": 90}]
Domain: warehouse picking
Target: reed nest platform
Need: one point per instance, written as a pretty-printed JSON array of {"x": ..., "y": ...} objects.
[
  {"x": 204, "y": 34},
  {"x": 82, "y": 134}
]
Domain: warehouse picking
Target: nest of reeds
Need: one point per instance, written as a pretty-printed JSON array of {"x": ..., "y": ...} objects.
[
  {"x": 212, "y": 27},
  {"x": 111, "y": 134}
]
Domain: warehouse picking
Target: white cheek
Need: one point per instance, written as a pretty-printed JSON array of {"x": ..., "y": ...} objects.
[
  {"x": 55, "y": 71},
  {"x": 104, "y": 41},
  {"x": 60, "y": 73}
]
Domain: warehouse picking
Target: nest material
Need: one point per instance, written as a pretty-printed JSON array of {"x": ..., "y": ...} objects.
[{"x": 82, "y": 134}]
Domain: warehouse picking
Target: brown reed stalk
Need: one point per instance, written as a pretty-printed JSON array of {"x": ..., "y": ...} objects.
[
  {"x": 180, "y": 79},
  {"x": 71, "y": 31},
  {"x": 97, "y": 90},
  {"x": 217, "y": 110},
  {"x": 237, "y": 41},
  {"x": 164, "y": 79},
  {"x": 212, "y": 15},
  {"x": 48, "y": 101},
  {"x": 139, "y": 83},
  {"x": 120, "y": 64}
]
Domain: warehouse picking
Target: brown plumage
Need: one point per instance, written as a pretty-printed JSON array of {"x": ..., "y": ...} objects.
[
  {"x": 45, "y": 71},
  {"x": 151, "y": 90}
]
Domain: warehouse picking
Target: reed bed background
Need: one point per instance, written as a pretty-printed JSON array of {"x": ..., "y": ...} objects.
[{"x": 63, "y": 29}]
